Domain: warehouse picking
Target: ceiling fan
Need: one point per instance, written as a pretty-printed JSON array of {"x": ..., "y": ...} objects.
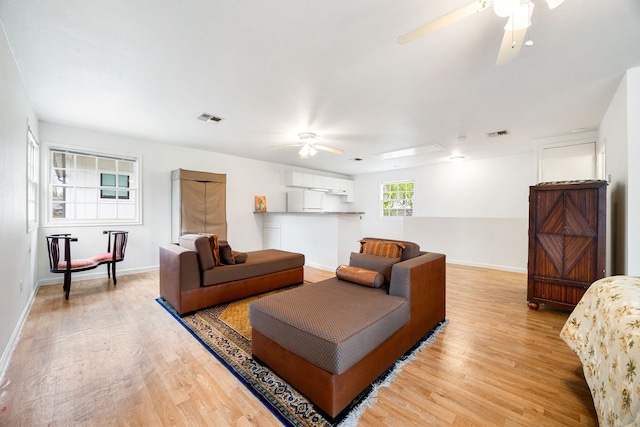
[
  {"x": 309, "y": 146},
  {"x": 515, "y": 32}
]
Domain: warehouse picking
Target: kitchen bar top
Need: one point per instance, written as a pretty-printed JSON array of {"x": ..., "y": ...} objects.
[{"x": 312, "y": 213}]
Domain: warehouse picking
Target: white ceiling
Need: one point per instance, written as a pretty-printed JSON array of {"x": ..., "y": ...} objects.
[{"x": 274, "y": 69}]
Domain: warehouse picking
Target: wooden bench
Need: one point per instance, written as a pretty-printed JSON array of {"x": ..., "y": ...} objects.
[{"x": 116, "y": 245}]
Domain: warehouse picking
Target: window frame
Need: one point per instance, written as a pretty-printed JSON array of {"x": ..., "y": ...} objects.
[
  {"x": 33, "y": 180},
  {"x": 133, "y": 189},
  {"x": 405, "y": 209}
]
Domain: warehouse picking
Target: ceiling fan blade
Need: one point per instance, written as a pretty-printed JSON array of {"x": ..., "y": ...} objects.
[
  {"x": 511, "y": 45},
  {"x": 445, "y": 20},
  {"x": 330, "y": 149},
  {"x": 297, "y": 144}
]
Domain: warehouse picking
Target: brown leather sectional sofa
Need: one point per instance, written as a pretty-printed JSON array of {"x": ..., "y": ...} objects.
[
  {"x": 192, "y": 279},
  {"x": 332, "y": 339}
]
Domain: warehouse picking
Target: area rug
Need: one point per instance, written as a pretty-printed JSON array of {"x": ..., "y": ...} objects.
[{"x": 224, "y": 330}]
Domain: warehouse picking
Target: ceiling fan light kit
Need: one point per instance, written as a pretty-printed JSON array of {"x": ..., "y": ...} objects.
[
  {"x": 308, "y": 145},
  {"x": 307, "y": 151},
  {"x": 308, "y": 137},
  {"x": 515, "y": 32},
  {"x": 554, "y": 3},
  {"x": 521, "y": 17},
  {"x": 504, "y": 8}
]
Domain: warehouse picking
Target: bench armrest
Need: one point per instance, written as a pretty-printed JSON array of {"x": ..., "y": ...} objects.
[
  {"x": 179, "y": 272},
  {"x": 422, "y": 280}
]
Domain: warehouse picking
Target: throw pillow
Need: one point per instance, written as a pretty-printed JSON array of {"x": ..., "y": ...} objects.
[
  {"x": 240, "y": 257},
  {"x": 200, "y": 244},
  {"x": 215, "y": 247},
  {"x": 411, "y": 249},
  {"x": 373, "y": 262},
  {"x": 226, "y": 254},
  {"x": 360, "y": 276},
  {"x": 382, "y": 248}
]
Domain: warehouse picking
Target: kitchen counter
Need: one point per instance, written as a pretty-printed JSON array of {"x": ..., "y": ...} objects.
[
  {"x": 312, "y": 213},
  {"x": 325, "y": 238}
]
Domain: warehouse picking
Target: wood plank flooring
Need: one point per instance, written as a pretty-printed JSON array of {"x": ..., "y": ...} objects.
[{"x": 113, "y": 356}]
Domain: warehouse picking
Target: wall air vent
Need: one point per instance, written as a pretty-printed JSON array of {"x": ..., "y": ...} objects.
[
  {"x": 498, "y": 133},
  {"x": 206, "y": 117}
]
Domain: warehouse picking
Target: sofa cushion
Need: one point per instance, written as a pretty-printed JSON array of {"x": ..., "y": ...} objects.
[
  {"x": 226, "y": 254},
  {"x": 332, "y": 324},
  {"x": 360, "y": 276},
  {"x": 411, "y": 249},
  {"x": 381, "y": 248},
  {"x": 200, "y": 244},
  {"x": 240, "y": 257},
  {"x": 372, "y": 262},
  {"x": 258, "y": 263}
]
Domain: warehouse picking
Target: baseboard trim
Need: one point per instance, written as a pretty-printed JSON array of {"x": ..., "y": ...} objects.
[
  {"x": 93, "y": 274},
  {"x": 490, "y": 266},
  {"x": 320, "y": 266},
  {"x": 8, "y": 351},
  {"x": 449, "y": 261}
]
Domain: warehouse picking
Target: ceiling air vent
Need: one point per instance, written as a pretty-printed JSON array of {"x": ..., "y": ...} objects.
[
  {"x": 206, "y": 117},
  {"x": 498, "y": 133}
]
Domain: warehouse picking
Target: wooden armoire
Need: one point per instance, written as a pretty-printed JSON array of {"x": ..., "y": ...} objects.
[
  {"x": 198, "y": 203},
  {"x": 567, "y": 245}
]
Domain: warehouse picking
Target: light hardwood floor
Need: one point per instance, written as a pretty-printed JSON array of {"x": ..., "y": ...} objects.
[{"x": 113, "y": 356}]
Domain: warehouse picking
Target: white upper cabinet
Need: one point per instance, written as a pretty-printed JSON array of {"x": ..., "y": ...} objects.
[
  {"x": 298, "y": 179},
  {"x": 338, "y": 186}
]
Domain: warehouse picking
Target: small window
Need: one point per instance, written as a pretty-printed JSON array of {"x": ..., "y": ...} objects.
[
  {"x": 116, "y": 181},
  {"x": 91, "y": 188},
  {"x": 397, "y": 199}
]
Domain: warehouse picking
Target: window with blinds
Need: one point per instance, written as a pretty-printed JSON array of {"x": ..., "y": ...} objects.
[{"x": 91, "y": 188}]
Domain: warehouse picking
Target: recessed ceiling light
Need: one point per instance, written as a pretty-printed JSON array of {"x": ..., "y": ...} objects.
[
  {"x": 357, "y": 159},
  {"x": 456, "y": 159}
]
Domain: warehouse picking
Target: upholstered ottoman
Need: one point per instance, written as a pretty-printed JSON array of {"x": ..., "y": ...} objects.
[
  {"x": 330, "y": 340},
  {"x": 314, "y": 322}
]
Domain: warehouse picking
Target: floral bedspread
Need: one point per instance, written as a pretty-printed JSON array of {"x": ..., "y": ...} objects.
[{"x": 604, "y": 331}]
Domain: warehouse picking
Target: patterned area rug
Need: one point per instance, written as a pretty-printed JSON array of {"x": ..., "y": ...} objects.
[{"x": 225, "y": 331}]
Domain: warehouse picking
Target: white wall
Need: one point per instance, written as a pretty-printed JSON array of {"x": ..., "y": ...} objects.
[
  {"x": 16, "y": 254},
  {"x": 481, "y": 204},
  {"x": 245, "y": 179},
  {"x": 613, "y": 136},
  {"x": 620, "y": 135},
  {"x": 633, "y": 188}
]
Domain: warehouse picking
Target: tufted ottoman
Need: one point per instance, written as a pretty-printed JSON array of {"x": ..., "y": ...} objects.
[{"x": 331, "y": 324}]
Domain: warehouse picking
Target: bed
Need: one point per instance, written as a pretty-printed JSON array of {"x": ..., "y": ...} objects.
[{"x": 604, "y": 331}]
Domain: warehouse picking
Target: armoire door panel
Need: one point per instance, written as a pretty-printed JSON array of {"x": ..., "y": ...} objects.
[
  {"x": 577, "y": 249},
  {"x": 554, "y": 221},
  {"x": 544, "y": 205},
  {"x": 193, "y": 207},
  {"x": 584, "y": 269},
  {"x": 577, "y": 222},
  {"x": 215, "y": 209},
  {"x": 551, "y": 252}
]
